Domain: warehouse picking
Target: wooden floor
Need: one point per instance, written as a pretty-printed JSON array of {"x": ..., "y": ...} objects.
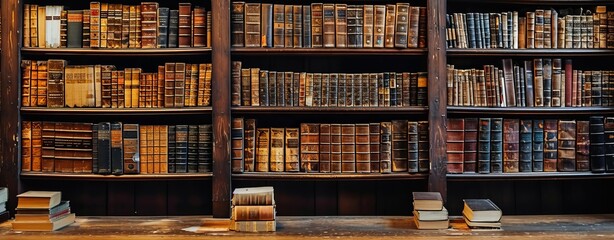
[{"x": 551, "y": 227}]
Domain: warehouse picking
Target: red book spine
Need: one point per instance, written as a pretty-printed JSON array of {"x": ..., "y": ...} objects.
[{"x": 568, "y": 83}]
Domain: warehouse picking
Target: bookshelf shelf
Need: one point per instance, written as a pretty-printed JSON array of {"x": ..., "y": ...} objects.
[
  {"x": 126, "y": 177},
  {"x": 552, "y": 176},
  {"x": 116, "y": 52},
  {"x": 283, "y": 176},
  {"x": 330, "y": 110},
  {"x": 530, "y": 111},
  {"x": 536, "y": 2},
  {"x": 457, "y": 52},
  {"x": 116, "y": 111},
  {"x": 329, "y": 51}
]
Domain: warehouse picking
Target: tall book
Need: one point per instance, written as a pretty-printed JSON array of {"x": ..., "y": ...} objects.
[
  {"x": 181, "y": 148},
  {"x": 317, "y": 21},
  {"x": 455, "y": 145},
  {"x": 172, "y": 144},
  {"x": 386, "y": 147},
  {"x": 550, "y": 145},
  {"x": 292, "y": 150},
  {"x": 325, "y": 148},
  {"x": 236, "y": 143},
  {"x": 250, "y": 145},
  {"x": 471, "y": 145},
  {"x": 582, "y": 146},
  {"x": 47, "y": 148},
  {"x": 131, "y": 148},
  {"x": 511, "y": 142},
  {"x": 237, "y": 21},
  {"x": 252, "y": 25},
  {"x": 608, "y": 127},
  {"x": 483, "y": 161},
  {"x": 117, "y": 156},
  {"x": 309, "y": 147},
  {"x": 199, "y": 27},
  {"x": 276, "y": 163},
  {"x": 399, "y": 145},
  {"x": 412, "y": 146},
  {"x": 328, "y": 25},
  {"x": 496, "y": 145},
  {"x": 538, "y": 86},
  {"x": 185, "y": 25},
  {"x": 262, "y": 149},
  {"x": 335, "y": 148},
  {"x": 348, "y": 148},
  {"x": 368, "y": 24},
  {"x": 401, "y": 25},
  {"x": 525, "y": 145},
  {"x": 566, "y": 146},
  {"x": 297, "y": 32},
  {"x": 74, "y": 29},
  {"x": 597, "y": 143},
  {"x": 173, "y": 28},
  {"x": 205, "y": 147},
  {"x": 266, "y": 25},
  {"x": 538, "y": 145},
  {"x": 423, "y": 147},
  {"x": 55, "y": 85},
  {"x": 413, "y": 25},
  {"x": 341, "y": 25},
  {"x": 149, "y": 24},
  {"x": 390, "y": 25},
  {"x": 363, "y": 154},
  {"x": 163, "y": 25}
]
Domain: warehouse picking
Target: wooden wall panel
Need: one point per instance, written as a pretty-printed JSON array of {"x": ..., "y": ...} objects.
[
  {"x": 150, "y": 198},
  {"x": 121, "y": 199},
  {"x": 189, "y": 198},
  {"x": 326, "y": 199}
]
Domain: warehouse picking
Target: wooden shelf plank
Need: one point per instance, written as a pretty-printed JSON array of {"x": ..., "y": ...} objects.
[
  {"x": 530, "y": 110},
  {"x": 115, "y": 111},
  {"x": 116, "y": 52},
  {"x": 535, "y": 2},
  {"x": 125, "y": 177},
  {"x": 529, "y": 52},
  {"x": 298, "y": 176},
  {"x": 329, "y": 51},
  {"x": 551, "y": 176},
  {"x": 330, "y": 110}
]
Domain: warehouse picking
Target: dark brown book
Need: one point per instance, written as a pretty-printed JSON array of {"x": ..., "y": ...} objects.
[
  {"x": 390, "y": 25},
  {"x": 340, "y": 25},
  {"x": 455, "y": 145},
  {"x": 131, "y": 148},
  {"x": 41, "y": 86},
  {"x": 401, "y": 26},
  {"x": 335, "y": 148},
  {"x": 246, "y": 97},
  {"x": 317, "y": 25},
  {"x": 288, "y": 26},
  {"x": 250, "y": 145},
  {"x": 422, "y": 26},
  {"x": 566, "y": 146},
  {"x": 149, "y": 25},
  {"x": 263, "y": 144},
  {"x": 510, "y": 93},
  {"x": 386, "y": 147},
  {"x": 26, "y": 146},
  {"x": 367, "y": 24},
  {"x": 526, "y": 146},
  {"x": 608, "y": 132},
  {"x": 254, "y": 76},
  {"x": 199, "y": 27},
  {"x": 310, "y": 137},
  {"x": 276, "y": 163},
  {"x": 48, "y": 147},
  {"x": 237, "y": 21},
  {"x": 363, "y": 153},
  {"x": 185, "y": 25},
  {"x": 297, "y": 32},
  {"x": 37, "y": 147},
  {"x": 325, "y": 148},
  {"x": 205, "y": 147},
  {"x": 236, "y": 84},
  {"x": 399, "y": 145},
  {"x": 379, "y": 26},
  {"x": 26, "y": 90},
  {"x": 471, "y": 145},
  {"x": 292, "y": 150},
  {"x": 511, "y": 145},
  {"x": 538, "y": 86},
  {"x": 348, "y": 148},
  {"x": 374, "y": 146},
  {"x": 55, "y": 88},
  {"x": 252, "y": 25},
  {"x": 279, "y": 24},
  {"x": 412, "y": 146},
  {"x": 423, "y": 147},
  {"x": 550, "y": 145},
  {"x": 413, "y": 25},
  {"x": 582, "y": 146},
  {"x": 236, "y": 145}
]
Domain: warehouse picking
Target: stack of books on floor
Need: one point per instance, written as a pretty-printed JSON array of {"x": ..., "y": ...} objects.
[
  {"x": 42, "y": 211},
  {"x": 253, "y": 210},
  {"x": 4, "y": 196},
  {"x": 482, "y": 213},
  {"x": 429, "y": 212}
]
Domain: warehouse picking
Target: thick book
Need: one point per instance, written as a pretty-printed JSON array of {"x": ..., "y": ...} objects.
[
  {"x": 184, "y": 32},
  {"x": 348, "y": 148},
  {"x": 368, "y": 24},
  {"x": 309, "y": 147},
  {"x": 424, "y": 215},
  {"x": 550, "y": 145},
  {"x": 386, "y": 147},
  {"x": 582, "y": 146},
  {"x": 401, "y": 25},
  {"x": 236, "y": 145},
  {"x": 38, "y": 199},
  {"x": 249, "y": 145},
  {"x": 252, "y": 24},
  {"x": 363, "y": 154},
  {"x": 181, "y": 148},
  {"x": 481, "y": 210},
  {"x": 103, "y": 149},
  {"x": 253, "y": 196},
  {"x": 292, "y": 163},
  {"x": 44, "y": 226},
  {"x": 237, "y": 21},
  {"x": 266, "y": 25},
  {"x": 205, "y": 147},
  {"x": 74, "y": 29},
  {"x": 325, "y": 148},
  {"x": 317, "y": 33},
  {"x": 471, "y": 145},
  {"x": 277, "y": 158},
  {"x": 163, "y": 27},
  {"x": 399, "y": 146},
  {"x": 51, "y": 214},
  {"x": 26, "y": 146},
  {"x": 412, "y": 146},
  {"x": 608, "y": 132},
  {"x": 340, "y": 25},
  {"x": 440, "y": 224},
  {"x": 423, "y": 147},
  {"x": 253, "y": 213},
  {"x": 496, "y": 145},
  {"x": 430, "y": 201},
  {"x": 262, "y": 149},
  {"x": 328, "y": 25},
  {"x": 525, "y": 155},
  {"x": 455, "y": 145},
  {"x": 253, "y": 226},
  {"x": 538, "y": 145},
  {"x": 117, "y": 156},
  {"x": 566, "y": 146},
  {"x": 131, "y": 148},
  {"x": 55, "y": 85},
  {"x": 192, "y": 148},
  {"x": 48, "y": 162},
  {"x": 511, "y": 145}
]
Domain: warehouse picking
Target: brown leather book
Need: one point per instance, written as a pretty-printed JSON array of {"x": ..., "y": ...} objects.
[
  {"x": 55, "y": 88},
  {"x": 390, "y": 25},
  {"x": 277, "y": 150},
  {"x": 412, "y": 146},
  {"x": 236, "y": 145},
  {"x": 246, "y": 92},
  {"x": 26, "y": 89},
  {"x": 582, "y": 146},
  {"x": 363, "y": 144},
  {"x": 253, "y": 213},
  {"x": 399, "y": 145},
  {"x": 199, "y": 27},
  {"x": 550, "y": 145},
  {"x": 37, "y": 147},
  {"x": 262, "y": 149},
  {"x": 348, "y": 148},
  {"x": 255, "y": 86},
  {"x": 250, "y": 145},
  {"x": 185, "y": 25},
  {"x": 471, "y": 145},
  {"x": 205, "y": 148},
  {"x": 379, "y": 26},
  {"x": 402, "y": 25},
  {"x": 522, "y": 32},
  {"x": 455, "y": 145},
  {"x": 144, "y": 156},
  {"x": 566, "y": 146},
  {"x": 47, "y": 147},
  {"x": 423, "y": 147},
  {"x": 385, "y": 147},
  {"x": 539, "y": 28},
  {"x": 279, "y": 25},
  {"x": 42, "y": 80},
  {"x": 237, "y": 20},
  {"x": 538, "y": 82},
  {"x": 94, "y": 25},
  {"x": 368, "y": 23},
  {"x": 235, "y": 99},
  {"x": 557, "y": 83},
  {"x": 131, "y": 148},
  {"x": 180, "y": 71},
  {"x": 149, "y": 27},
  {"x": 297, "y": 32},
  {"x": 292, "y": 150},
  {"x": 374, "y": 146},
  {"x": 335, "y": 148},
  {"x": 325, "y": 148},
  {"x": 413, "y": 25},
  {"x": 252, "y": 25},
  {"x": 511, "y": 145},
  {"x": 288, "y": 26},
  {"x": 510, "y": 90},
  {"x": 106, "y": 78},
  {"x": 340, "y": 25},
  {"x": 310, "y": 134},
  {"x": 422, "y": 43},
  {"x": 26, "y": 146},
  {"x": 317, "y": 25}
]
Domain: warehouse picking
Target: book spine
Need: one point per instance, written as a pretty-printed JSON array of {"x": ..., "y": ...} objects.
[
  {"x": 117, "y": 160},
  {"x": 237, "y": 22},
  {"x": 470, "y": 145},
  {"x": 292, "y": 150},
  {"x": 317, "y": 25},
  {"x": 367, "y": 26},
  {"x": 412, "y": 147},
  {"x": 236, "y": 134},
  {"x": 538, "y": 145},
  {"x": 511, "y": 145},
  {"x": 276, "y": 163},
  {"x": 582, "y": 146},
  {"x": 525, "y": 145},
  {"x": 297, "y": 32},
  {"x": 252, "y": 24},
  {"x": 325, "y": 148},
  {"x": 348, "y": 148},
  {"x": 262, "y": 149},
  {"x": 455, "y": 145},
  {"x": 205, "y": 148},
  {"x": 328, "y": 25},
  {"x": 309, "y": 147},
  {"x": 550, "y": 145},
  {"x": 363, "y": 154},
  {"x": 250, "y": 145},
  {"x": 401, "y": 25},
  {"x": 172, "y": 145},
  {"x": 163, "y": 25},
  {"x": 266, "y": 25},
  {"x": 566, "y": 146},
  {"x": 181, "y": 148},
  {"x": 608, "y": 132},
  {"x": 131, "y": 148},
  {"x": 496, "y": 145},
  {"x": 185, "y": 25}
]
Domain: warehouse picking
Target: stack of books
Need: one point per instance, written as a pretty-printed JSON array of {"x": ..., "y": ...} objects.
[
  {"x": 429, "y": 212},
  {"x": 4, "y": 195},
  {"x": 482, "y": 213},
  {"x": 42, "y": 211},
  {"x": 253, "y": 210}
]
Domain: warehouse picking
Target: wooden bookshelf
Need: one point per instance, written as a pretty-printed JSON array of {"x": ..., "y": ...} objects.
[
  {"x": 283, "y": 176},
  {"x": 125, "y": 177},
  {"x": 531, "y": 111},
  {"x": 546, "y": 176},
  {"x": 331, "y": 110},
  {"x": 329, "y": 51},
  {"x": 542, "y": 52},
  {"x": 116, "y": 111},
  {"x": 120, "y": 52}
]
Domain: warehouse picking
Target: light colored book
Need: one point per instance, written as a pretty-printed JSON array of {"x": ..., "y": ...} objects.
[
  {"x": 44, "y": 225},
  {"x": 481, "y": 210},
  {"x": 38, "y": 199},
  {"x": 432, "y": 215},
  {"x": 443, "y": 224},
  {"x": 427, "y": 201}
]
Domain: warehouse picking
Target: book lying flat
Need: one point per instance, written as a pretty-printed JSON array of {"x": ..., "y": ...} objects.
[
  {"x": 58, "y": 211},
  {"x": 38, "y": 199},
  {"x": 4, "y": 194},
  {"x": 443, "y": 224},
  {"x": 482, "y": 224},
  {"x": 44, "y": 225},
  {"x": 426, "y": 215},
  {"x": 427, "y": 201},
  {"x": 481, "y": 210},
  {"x": 253, "y": 226},
  {"x": 253, "y": 196}
]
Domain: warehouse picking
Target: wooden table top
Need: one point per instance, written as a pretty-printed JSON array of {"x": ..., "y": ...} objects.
[{"x": 551, "y": 227}]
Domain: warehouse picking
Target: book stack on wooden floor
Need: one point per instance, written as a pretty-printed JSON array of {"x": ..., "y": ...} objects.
[
  {"x": 482, "y": 213},
  {"x": 42, "y": 211},
  {"x": 4, "y": 195},
  {"x": 253, "y": 210},
  {"x": 429, "y": 212}
]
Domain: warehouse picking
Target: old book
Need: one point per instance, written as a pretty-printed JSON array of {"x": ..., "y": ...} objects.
[
  {"x": 205, "y": 148},
  {"x": 103, "y": 164},
  {"x": 131, "y": 148},
  {"x": 106, "y": 85},
  {"x": 427, "y": 201},
  {"x": 262, "y": 149},
  {"x": 538, "y": 145},
  {"x": 455, "y": 145},
  {"x": 253, "y": 213},
  {"x": 149, "y": 24},
  {"x": 44, "y": 226},
  {"x": 116, "y": 157},
  {"x": 281, "y": 90},
  {"x": 181, "y": 148},
  {"x": 374, "y": 147},
  {"x": 496, "y": 145},
  {"x": 34, "y": 29},
  {"x": 608, "y": 132},
  {"x": 40, "y": 83},
  {"x": 439, "y": 224},
  {"x": 271, "y": 89},
  {"x": 309, "y": 147},
  {"x": 252, "y": 25},
  {"x": 539, "y": 82},
  {"x": 55, "y": 86},
  {"x": 104, "y": 24},
  {"x": 292, "y": 163},
  {"x": 340, "y": 24},
  {"x": 185, "y": 25},
  {"x": 236, "y": 83},
  {"x": 237, "y": 21},
  {"x": 481, "y": 210},
  {"x": 192, "y": 148},
  {"x": 249, "y": 145},
  {"x": 566, "y": 146},
  {"x": 485, "y": 225},
  {"x": 412, "y": 146},
  {"x": 529, "y": 89},
  {"x": 423, "y": 147},
  {"x": 368, "y": 24},
  {"x": 253, "y": 226},
  {"x": 390, "y": 25},
  {"x": 74, "y": 28},
  {"x": 199, "y": 27},
  {"x": 266, "y": 25},
  {"x": 253, "y": 196},
  {"x": 379, "y": 25},
  {"x": 399, "y": 146},
  {"x": 604, "y": 27},
  {"x": 173, "y": 28},
  {"x": 348, "y": 148},
  {"x": 26, "y": 83},
  {"x": 511, "y": 145},
  {"x": 26, "y": 25},
  {"x": 38, "y": 199},
  {"x": 47, "y": 154},
  {"x": 276, "y": 163},
  {"x": 328, "y": 25},
  {"x": 550, "y": 145},
  {"x": 582, "y": 146},
  {"x": 556, "y": 83},
  {"x": 525, "y": 145},
  {"x": 144, "y": 155},
  {"x": 307, "y": 26},
  {"x": 386, "y": 147},
  {"x": 363, "y": 154},
  {"x": 510, "y": 94},
  {"x": 254, "y": 76},
  {"x": 246, "y": 97},
  {"x": 236, "y": 144},
  {"x": 26, "y": 146},
  {"x": 317, "y": 25},
  {"x": 52, "y": 26},
  {"x": 401, "y": 25},
  {"x": 355, "y": 17},
  {"x": 179, "y": 80},
  {"x": 413, "y": 25},
  {"x": 325, "y": 148},
  {"x": 335, "y": 148},
  {"x": 428, "y": 216},
  {"x": 42, "y": 214},
  {"x": 162, "y": 24},
  {"x": 64, "y": 147},
  {"x": 471, "y": 145},
  {"x": 172, "y": 145}
]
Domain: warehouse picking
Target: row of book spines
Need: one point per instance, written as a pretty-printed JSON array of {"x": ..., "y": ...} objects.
[
  {"x": 117, "y": 26},
  {"x": 271, "y": 88},
  {"x": 538, "y": 29},
  {"x": 53, "y": 83},
  {"x": 519, "y": 145},
  {"x": 396, "y": 146},
  {"x": 538, "y": 83},
  {"x": 328, "y": 25},
  {"x": 111, "y": 148}
]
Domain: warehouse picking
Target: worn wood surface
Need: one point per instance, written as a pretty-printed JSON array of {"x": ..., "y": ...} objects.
[{"x": 202, "y": 227}]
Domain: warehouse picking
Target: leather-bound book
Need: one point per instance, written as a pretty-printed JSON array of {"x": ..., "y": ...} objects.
[
  {"x": 237, "y": 21},
  {"x": 496, "y": 145},
  {"x": 117, "y": 156},
  {"x": 317, "y": 25},
  {"x": 354, "y": 26},
  {"x": 74, "y": 29},
  {"x": 149, "y": 25},
  {"x": 173, "y": 28},
  {"x": 276, "y": 163},
  {"x": 399, "y": 145},
  {"x": 266, "y": 25},
  {"x": 412, "y": 146},
  {"x": 280, "y": 92},
  {"x": 550, "y": 145},
  {"x": 252, "y": 24},
  {"x": 47, "y": 147},
  {"x": 566, "y": 146},
  {"x": 348, "y": 148},
  {"x": 328, "y": 25},
  {"x": 26, "y": 146},
  {"x": 307, "y": 26},
  {"x": 413, "y": 26},
  {"x": 292, "y": 150},
  {"x": 185, "y": 25},
  {"x": 55, "y": 86},
  {"x": 471, "y": 145},
  {"x": 511, "y": 137},
  {"x": 37, "y": 146},
  {"x": 374, "y": 146},
  {"x": 385, "y": 147},
  {"x": 483, "y": 158},
  {"x": 199, "y": 27},
  {"x": 272, "y": 88},
  {"x": 42, "y": 79},
  {"x": 597, "y": 143},
  {"x": 538, "y": 145},
  {"x": 390, "y": 25},
  {"x": 608, "y": 127},
  {"x": 423, "y": 146},
  {"x": 325, "y": 148},
  {"x": 236, "y": 144},
  {"x": 309, "y": 140},
  {"x": 582, "y": 146},
  {"x": 538, "y": 76},
  {"x": 192, "y": 148},
  {"x": 379, "y": 26},
  {"x": 368, "y": 24},
  {"x": 172, "y": 144},
  {"x": 289, "y": 88},
  {"x": 341, "y": 25},
  {"x": 263, "y": 88},
  {"x": 181, "y": 148},
  {"x": 401, "y": 25},
  {"x": 297, "y": 24},
  {"x": 557, "y": 83},
  {"x": 254, "y": 76},
  {"x": 205, "y": 147},
  {"x": 180, "y": 70},
  {"x": 235, "y": 99},
  {"x": 131, "y": 148},
  {"x": 526, "y": 145},
  {"x": 363, "y": 153},
  {"x": 335, "y": 148},
  {"x": 163, "y": 23},
  {"x": 455, "y": 145},
  {"x": 250, "y": 145}
]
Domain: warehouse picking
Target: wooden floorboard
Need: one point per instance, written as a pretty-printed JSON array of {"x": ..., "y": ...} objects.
[{"x": 559, "y": 227}]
